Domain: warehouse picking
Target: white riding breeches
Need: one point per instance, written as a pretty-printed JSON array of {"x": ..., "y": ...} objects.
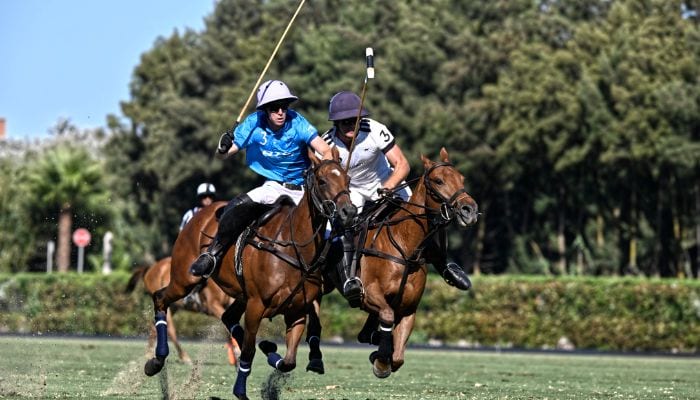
[{"x": 270, "y": 191}]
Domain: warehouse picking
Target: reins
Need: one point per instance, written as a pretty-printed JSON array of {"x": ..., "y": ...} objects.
[
  {"x": 325, "y": 210},
  {"x": 436, "y": 220}
]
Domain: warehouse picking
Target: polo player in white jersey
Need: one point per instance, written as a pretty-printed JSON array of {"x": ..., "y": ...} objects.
[{"x": 377, "y": 167}]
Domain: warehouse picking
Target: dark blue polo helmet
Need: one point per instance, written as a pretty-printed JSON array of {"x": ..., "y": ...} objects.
[{"x": 344, "y": 105}]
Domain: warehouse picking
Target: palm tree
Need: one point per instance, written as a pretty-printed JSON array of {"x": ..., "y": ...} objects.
[{"x": 64, "y": 179}]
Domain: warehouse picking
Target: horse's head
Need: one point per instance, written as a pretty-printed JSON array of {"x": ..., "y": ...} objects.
[
  {"x": 328, "y": 185},
  {"x": 444, "y": 187}
]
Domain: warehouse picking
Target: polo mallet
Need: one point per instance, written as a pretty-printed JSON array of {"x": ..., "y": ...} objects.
[
  {"x": 269, "y": 61},
  {"x": 369, "y": 56}
]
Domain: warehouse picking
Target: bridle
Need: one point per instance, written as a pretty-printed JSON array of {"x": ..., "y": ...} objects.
[
  {"x": 327, "y": 210},
  {"x": 447, "y": 206},
  {"x": 327, "y": 207}
]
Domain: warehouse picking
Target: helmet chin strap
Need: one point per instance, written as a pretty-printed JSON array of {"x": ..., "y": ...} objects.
[{"x": 369, "y": 56}]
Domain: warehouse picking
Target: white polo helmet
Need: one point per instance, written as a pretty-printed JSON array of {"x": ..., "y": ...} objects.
[
  {"x": 206, "y": 189},
  {"x": 273, "y": 90}
]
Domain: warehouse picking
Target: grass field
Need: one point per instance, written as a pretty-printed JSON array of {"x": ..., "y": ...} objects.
[{"x": 100, "y": 368}]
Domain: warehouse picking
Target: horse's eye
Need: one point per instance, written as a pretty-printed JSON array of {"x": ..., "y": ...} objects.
[
  {"x": 322, "y": 182},
  {"x": 438, "y": 181}
]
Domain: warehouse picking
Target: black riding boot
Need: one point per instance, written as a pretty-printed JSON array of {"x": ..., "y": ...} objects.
[
  {"x": 238, "y": 214},
  {"x": 351, "y": 285},
  {"x": 206, "y": 263},
  {"x": 452, "y": 273}
]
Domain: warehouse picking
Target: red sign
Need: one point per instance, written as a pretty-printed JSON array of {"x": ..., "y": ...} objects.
[{"x": 81, "y": 237}]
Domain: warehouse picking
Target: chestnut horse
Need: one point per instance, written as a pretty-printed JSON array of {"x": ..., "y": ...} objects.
[
  {"x": 275, "y": 271},
  {"x": 392, "y": 263},
  {"x": 210, "y": 300}
]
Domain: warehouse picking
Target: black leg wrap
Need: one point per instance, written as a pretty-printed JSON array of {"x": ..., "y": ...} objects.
[{"x": 386, "y": 342}]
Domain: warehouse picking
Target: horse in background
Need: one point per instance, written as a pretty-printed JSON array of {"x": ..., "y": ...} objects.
[
  {"x": 274, "y": 268},
  {"x": 392, "y": 263},
  {"x": 209, "y": 300}
]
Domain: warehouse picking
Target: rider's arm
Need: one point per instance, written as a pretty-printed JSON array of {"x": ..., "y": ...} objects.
[
  {"x": 321, "y": 147},
  {"x": 400, "y": 166}
]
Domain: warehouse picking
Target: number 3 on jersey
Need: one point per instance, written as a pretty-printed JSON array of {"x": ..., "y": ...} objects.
[{"x": 385, "y": 136}]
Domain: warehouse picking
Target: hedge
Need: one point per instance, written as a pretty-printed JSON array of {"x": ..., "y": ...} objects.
[{"x": 627, "y": 314}]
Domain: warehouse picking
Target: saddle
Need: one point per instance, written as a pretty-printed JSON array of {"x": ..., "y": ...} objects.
[
  {"x": 246, "y": 237},
  {"x": 274, "y": 208},
  {"x": 267, "y": 210},
  {"x": 374, "y": 214}
]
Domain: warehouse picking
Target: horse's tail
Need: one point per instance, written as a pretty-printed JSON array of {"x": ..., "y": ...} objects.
[{"x": 135, "y": 278}]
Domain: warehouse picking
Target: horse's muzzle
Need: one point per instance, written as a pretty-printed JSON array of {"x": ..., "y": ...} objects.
[
  {"x": 467, "y": 214},
  {"x": 347, "y": 213}
]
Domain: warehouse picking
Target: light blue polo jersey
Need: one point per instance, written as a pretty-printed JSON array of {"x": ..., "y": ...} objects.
[{"x": 279, "y": 156}]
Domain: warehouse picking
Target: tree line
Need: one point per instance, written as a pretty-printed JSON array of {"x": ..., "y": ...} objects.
[{"x": 576, "y": 124}]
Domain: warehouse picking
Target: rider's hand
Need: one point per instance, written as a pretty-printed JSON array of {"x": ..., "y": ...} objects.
[
  {"x": 384, "y": 193},
  {"x": 225, "y": 143}
]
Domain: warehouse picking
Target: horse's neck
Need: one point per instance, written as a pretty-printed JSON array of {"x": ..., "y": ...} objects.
[
  {"x": 301, "y": 215},
  {"x": 417, "y": 200},
  {"x": 413, "y": 227}
]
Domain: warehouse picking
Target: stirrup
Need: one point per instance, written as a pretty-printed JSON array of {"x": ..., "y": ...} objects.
[
  {"x": 455, "y": 276},
  {"x": 204, "y": 265},
  {"x": 353, "y": 291}
]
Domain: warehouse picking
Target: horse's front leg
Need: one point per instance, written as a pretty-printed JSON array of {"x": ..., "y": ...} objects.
[
  {"x": 402, "y": 332},
  {"x": 231, "y": 318},
  {"x": 369, "y": 334},
  {"x": 295, "y": 328},
  {"x": 253, "y": 315},
  {"x": 162, "y": 299},
  {"x": 172, "y": 334},
  {"x": 381, "y": 359},
  {"x": 313, "y": 338}
]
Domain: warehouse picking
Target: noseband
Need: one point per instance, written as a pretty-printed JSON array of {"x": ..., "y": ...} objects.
[
  {"x": 327, "y": 207},
  {"x": 447, "y": 206}
]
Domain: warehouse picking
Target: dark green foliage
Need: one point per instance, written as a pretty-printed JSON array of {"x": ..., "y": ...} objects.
[
  {"x": 594, "y": 313},
  {"x": 576, "y": 124}
]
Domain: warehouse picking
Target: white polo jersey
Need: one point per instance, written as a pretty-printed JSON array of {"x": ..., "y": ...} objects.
[{"x": 369, "y": 167}]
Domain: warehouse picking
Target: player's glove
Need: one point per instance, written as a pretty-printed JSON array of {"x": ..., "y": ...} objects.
[
  {"x": 225, "y": 143},
  {"x": 384, "y": 193}
]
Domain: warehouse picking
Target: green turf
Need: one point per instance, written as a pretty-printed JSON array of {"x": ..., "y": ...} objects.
[{"x": 81, "y": 368}]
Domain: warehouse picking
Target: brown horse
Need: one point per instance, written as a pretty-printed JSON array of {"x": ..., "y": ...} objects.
[
  {"x": 275, "y": 271},
  {"x": 393, "y": 263},
  {"x": 210, "y": 300}
]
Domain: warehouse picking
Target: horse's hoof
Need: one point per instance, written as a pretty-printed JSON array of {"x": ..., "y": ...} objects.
[
  {"x": 241, "y": 395},
  {"x": 379, "y": 371},
  {"x": 396, "y": 365},
  {"x": 316, "y": 365},
  {"x": 380, "y": 368},
  {"x": 267, "y": 347},
  {"x": 186, "y": 360},
  {"x": 153, "y": 366}
]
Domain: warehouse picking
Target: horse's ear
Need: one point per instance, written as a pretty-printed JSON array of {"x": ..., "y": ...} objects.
[
  {"x": 426, "y": 161},
  {"x": 312, "y": 156},
  {"x": 444, "y": 156},
  {"x": 335, "y": 153}
]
